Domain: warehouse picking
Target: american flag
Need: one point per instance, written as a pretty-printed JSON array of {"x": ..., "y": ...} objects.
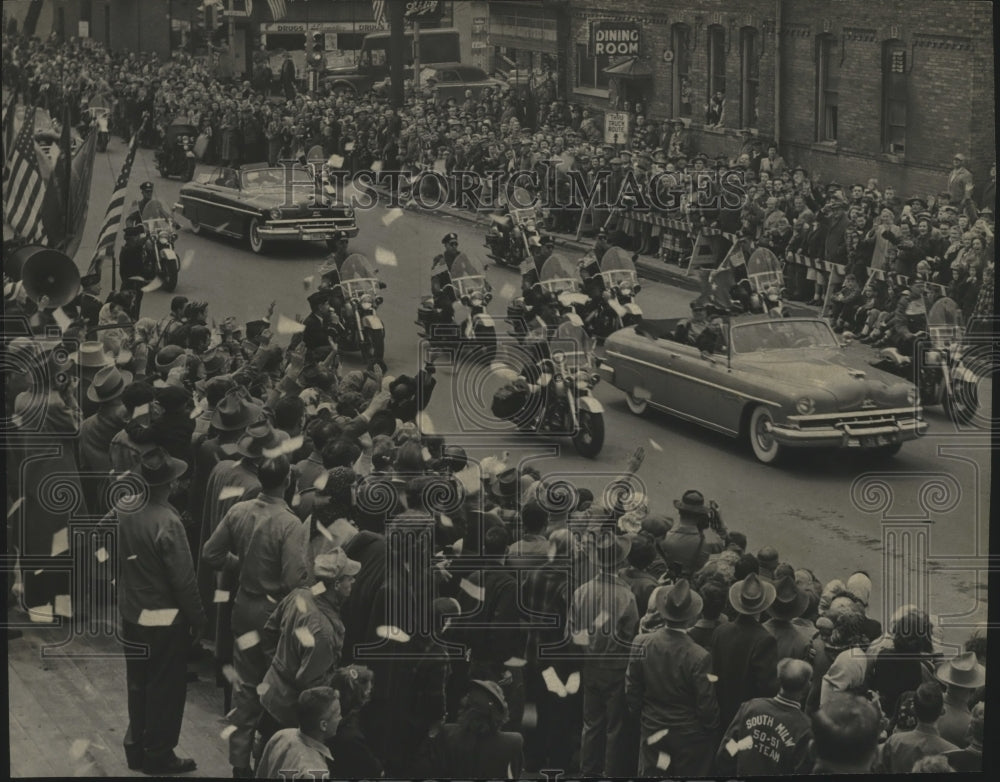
[
  {"x": 25, "y": 188},
  {"x": 378, "y": 9},
  {"x": 279, "y": 9},
  {"x": 116, "y": 206}
]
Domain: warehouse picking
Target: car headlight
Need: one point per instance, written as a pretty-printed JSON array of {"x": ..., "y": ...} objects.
[
  {"x": 274, "y": 214},
  {"x": 912, "y": 396},
  {"x": 805, "y": 406}
]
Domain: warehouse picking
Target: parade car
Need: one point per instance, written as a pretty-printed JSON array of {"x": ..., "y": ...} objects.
[
  {"x": 780, "y": 383},
  {"x": 261, "y": 203}
]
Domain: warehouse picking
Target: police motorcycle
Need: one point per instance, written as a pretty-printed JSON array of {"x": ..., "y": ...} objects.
[
  {"x": 612, "y": 285},
  {"x": 511, "y": 228},
  {"x": 464, "y": 282},
  {"x": 149, "y": 250},
  {"x": 361, "y": 288},
  {"x": 176, "y": 156},
  {"x": 763, "y": 287},
  {"x": 553, "y": 395},
  {"x": 558, "y": 285},
  {"x": 936, "y": 364}
]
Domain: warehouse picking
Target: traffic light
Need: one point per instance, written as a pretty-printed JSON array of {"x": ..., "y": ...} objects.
[
  {"x": 199, "y": 20},
  {"x": 316, "y": 58}
]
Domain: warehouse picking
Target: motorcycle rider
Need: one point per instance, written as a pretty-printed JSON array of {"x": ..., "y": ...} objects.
[
  {"x": 147, "y": 207},
  {"x": 330, "y": 276},
  {"x": 451, "y": 251},
  {"x": 909, "y": 322},
  {"x": 444, "y": 296},
  {"x": 322, "y": 327}
]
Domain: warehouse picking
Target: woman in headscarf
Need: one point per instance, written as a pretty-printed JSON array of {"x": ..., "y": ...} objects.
[
  {"x": 909, "y": 662},
  {"x": 353, "y": 757}
]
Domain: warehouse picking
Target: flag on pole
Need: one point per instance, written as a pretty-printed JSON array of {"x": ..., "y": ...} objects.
[
  {"x": 25, "y": 188},
  {"x": 723, "y": 278},
  {"x": 116, "y": 206},
  {"x": 378, "y": 10},
  {"x": 80, "y": 175},
  {"x": 279, "y": 9}
]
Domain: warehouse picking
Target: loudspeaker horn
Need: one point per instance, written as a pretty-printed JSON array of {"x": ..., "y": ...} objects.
[{"x": 49, "y": 277}]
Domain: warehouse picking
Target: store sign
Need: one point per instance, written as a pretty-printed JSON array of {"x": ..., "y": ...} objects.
[
  {"x": 614, "y": 39},
  {"x": 423, "y": 10},
  {"x": 291, "y": 28}
]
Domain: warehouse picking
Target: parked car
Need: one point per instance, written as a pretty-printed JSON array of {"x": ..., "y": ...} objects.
[
  {"x": 450, "y": 80},
  {"x": 260, "y": 204},
  {"x": 781, "y": 383}
]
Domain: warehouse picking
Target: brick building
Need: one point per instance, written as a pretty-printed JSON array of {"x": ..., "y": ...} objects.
[{"x": 851, "y": 89}]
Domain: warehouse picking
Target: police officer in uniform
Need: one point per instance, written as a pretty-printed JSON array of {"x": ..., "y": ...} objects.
[{"x": 322, "y": 326}]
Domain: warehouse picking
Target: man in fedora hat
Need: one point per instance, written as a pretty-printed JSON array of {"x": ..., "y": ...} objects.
[
  {"x": 771, "y": 736},
  {"x": 668, "y": 686},
  {"x": 744, "y": 654},
  {"x": 161, "y": 611},
  {"x": 99, "y": 430},
  {"x": 962, "y": 676},
  {"x": 691, "y": 541},
  {"x": 262, "y": 542},
  {"x": 793, "y": 640},
  {"x": 603, "y": 620},
  {"x": 304, "y": 637}
]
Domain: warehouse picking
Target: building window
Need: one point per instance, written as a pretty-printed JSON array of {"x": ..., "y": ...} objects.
[
  {"x": 107, "y": 26},
  {"x": 680, "y": 35},
  {"x": 894, "y": 97},
  {"x": 750, "y": 75},
  {"x": 590, "y": 70},
  {"x": 716, "y": 60},
  {"x": 60, "y": 26},
  {"x": 827, "y": 80}
]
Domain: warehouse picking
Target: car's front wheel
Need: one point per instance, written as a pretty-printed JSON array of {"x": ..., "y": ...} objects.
[
  {"x": 635, "y": 404},
  {"x": 256, "y": 240},
  {"x": 761, "y": 435}
]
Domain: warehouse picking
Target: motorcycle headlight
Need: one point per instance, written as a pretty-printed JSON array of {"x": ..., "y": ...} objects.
[
  {"x": 487, "y": 298},
  {"x": 912, "y": 396},
  {"x": 378, "y": 301},
  {"x": 595, "y": 379},
  {"x": 636, "y": 289},
  {"x": 805, "y": 406},
  {"x": 274, "y": 214}
]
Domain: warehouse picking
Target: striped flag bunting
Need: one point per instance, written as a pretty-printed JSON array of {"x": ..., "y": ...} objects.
[
  {"x": 24, "y": 190},
  {"x": 279, "y": 9},
  {"x": 378, "y": 11}
]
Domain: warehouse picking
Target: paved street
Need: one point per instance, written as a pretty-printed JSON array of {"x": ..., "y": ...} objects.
[{"x": 805, "y": 508}]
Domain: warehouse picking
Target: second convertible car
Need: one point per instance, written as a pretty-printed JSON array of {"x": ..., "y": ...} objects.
[
  {"x": 780, "y": 382},
  {"x": 260, "y": 203}
]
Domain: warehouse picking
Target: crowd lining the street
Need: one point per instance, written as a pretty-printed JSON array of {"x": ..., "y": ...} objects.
[{"x": 272, "y": 490}]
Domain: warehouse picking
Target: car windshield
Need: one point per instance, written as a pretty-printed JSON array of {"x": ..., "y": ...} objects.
[
  {"x": 782, "y": 334},
  {"x": 270, "y": 178}
]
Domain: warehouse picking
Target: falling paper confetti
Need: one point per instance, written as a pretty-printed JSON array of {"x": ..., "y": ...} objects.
[
  {"x": 391, "y": 216},
  {"x": 308, "y": 281},
  {"x": 601, "y": 620},
  {"x": 392, "y": 633},
  {"x": 60, "y": 542},
  {"x": 248, "y": 640},
  {"x": 186, "y": 259},
  {"x": 288, "y": 326},
  {"x": 221, "y": 596},
  {"x": 712, "y": 677},
  {"x": 662, "y": 761},
  {"x": 291, "y": 445},
  {"x": 262, "y": 688},
  {"x": 446, "y": 521},
  {"x": 553, "y": 683},
  {"x": 140, "y": 411},
  {"x": 655, "y": 445},
  {"x": 154, "y": 284},
  {"x": 300, "y": 604},
  {"x": 230, "y": 492},
  {"x": 231, "y": 676},
  {"x": 581, "y": 638},
  {"x": 508, "y": 292},
  {"x": 336, "y": 161},
  {"x": 657, "y": 736},
  {"x": 385, "y": 257},
  {"x": 42, "y": 613},
  {"x": 515, "y": 662},
  {"x": 424, "y": 423},
  {"x": 133, "y": 556},
  {"x": 101, "y": 554},
  {"x": 271, "y": 599},
  {"x": 377, "y": 166},
  {"x": 15, "y": 507},
  {"x": 158, "y": 617},
  {"x": 227, "y": 731},
  {"x": 573, "y": 683},
  {"x": 63, "y": 321},
  {"x": 320, "y": 483},
  {"x": 305, "y": 637},
  {"x": 79, "y": 748},
  {"x": 318, "y": 588}
]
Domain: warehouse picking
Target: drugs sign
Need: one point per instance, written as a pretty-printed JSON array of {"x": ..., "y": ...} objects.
[
  {"x": 615, "y": 39},
  {"x": 616, "y": 127}
]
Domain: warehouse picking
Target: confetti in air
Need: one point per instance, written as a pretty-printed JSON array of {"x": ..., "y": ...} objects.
[
  {"x": 305, "y": 637},
  {"x": 230, "y": 492},
  {"x": 385, "y": 257},
  {"x": 655, "y": 445},
  {"x": 248, "y": 640},
  {"x": 288, "y": 326},
  {"x": 391, "y": 216},
  {"x": 154, "y": 284}
]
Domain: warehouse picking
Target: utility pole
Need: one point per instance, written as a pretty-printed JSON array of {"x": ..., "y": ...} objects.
[
  {"x": 231, "y": 37},
  {"x": 416, "y": 55},
  {"x": 397, "y": 42}
]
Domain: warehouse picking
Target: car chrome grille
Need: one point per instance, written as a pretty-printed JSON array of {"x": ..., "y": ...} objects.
[{"x": 860, "y": 419}]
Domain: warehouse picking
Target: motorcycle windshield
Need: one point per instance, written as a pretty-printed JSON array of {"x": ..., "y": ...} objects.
[
  {"x": 944, "y": 323},
  {"x": 357, "y": 276},
  {"x": 559, "y": 274},
  {"x": 153, "y": 220},
  {"x": 467, "y": 276},
  {"x": 571, "y": 346},
  {"x": 617, "y": 269},
  {"x": 764, "y": 271}
]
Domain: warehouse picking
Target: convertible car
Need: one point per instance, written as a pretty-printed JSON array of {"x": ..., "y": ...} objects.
[
  {"x": 261, "y": 203},
  {"x": 780, "y": 382}
]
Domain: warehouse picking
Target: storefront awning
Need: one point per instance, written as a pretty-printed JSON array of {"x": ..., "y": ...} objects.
[{"x": 629, "y": 69}]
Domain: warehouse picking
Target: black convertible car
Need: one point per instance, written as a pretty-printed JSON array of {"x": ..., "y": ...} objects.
[{"x": 262, "y": 203}]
